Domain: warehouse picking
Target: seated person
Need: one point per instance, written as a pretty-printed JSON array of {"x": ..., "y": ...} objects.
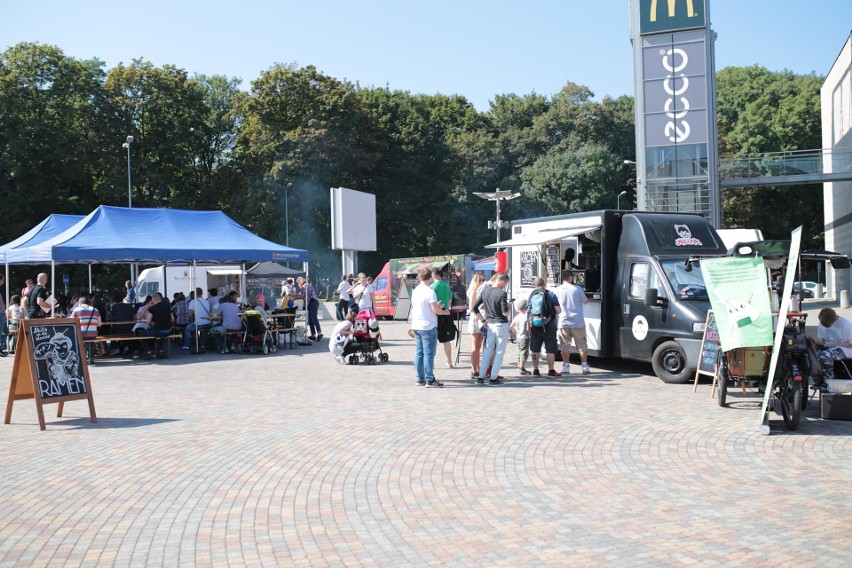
[
  {"x": 198, "y": 314},
  {"x": 121, "y": 311},
  {"x": 342, "y": 343},
  {"x": 257, "y": 303},
  {"x": 228, "y": 315},
  {"x": 160, "y": 321},
  {"x": 834, "y": 341}
]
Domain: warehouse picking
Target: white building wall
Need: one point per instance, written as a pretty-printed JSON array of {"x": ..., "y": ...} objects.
[{"x": 836, "y": 102}]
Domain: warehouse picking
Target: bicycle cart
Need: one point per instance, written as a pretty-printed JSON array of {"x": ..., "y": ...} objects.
[{"x": 748, "y": 368}]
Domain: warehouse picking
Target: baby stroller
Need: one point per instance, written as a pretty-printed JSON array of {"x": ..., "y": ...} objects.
[
  {"x": 256, "y": 337},
  {"x": 365, "y": 344}
]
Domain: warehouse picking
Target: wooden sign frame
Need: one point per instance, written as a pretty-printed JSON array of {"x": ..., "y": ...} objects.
[
  {"x": 709, "y": 326},
  {"x": 54, "y": 371}
]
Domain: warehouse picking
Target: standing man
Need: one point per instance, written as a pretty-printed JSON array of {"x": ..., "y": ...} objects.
[
  {"x": 4, "y": 329},
  {"x": 542, "y": 306},
  {"x": 343, "y": 302},
  {"x": 446, "y": 329},
  {"x": 572, "y": 323},
  {"x": 37, "y": 304},
  {"x": 496, "y": 305},
  {"x": 425, "y": 309},
  {"x": 362, "y": 293}
]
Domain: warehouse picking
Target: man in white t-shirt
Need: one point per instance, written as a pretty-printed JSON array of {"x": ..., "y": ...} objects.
[
  {"x": 343, "y": 303},
  {"x": 362, "y": 293},
  {"x": 572, "y": 322},
  {"x": 198, "y": 312},
  {"x": 425, "y": 309}
]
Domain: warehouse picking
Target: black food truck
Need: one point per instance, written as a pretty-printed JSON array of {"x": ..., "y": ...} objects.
[{"x": 641, "y": 272}]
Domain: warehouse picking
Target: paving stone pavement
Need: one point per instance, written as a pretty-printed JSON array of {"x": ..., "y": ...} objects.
[{"x": 291, "y": 459}]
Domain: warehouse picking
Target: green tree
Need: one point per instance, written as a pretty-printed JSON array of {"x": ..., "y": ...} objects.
[{"x": 51, "y": 119}]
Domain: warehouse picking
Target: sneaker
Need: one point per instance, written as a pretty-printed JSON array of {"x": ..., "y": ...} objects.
[
  {"x": 320, "y": 336},
  {"x": 497, "y": 381},
  {"x": 586, "y": 369},
  {"x": 523, "y": 372},
  {"x": 536, "y": 373},
  {"x": 340, "y": 359},
  {"x": 553, "y": 373},
  {"x": 421, "y": 383},
  {"x": 434, "y": 383},
  {"x": 566, "y": 369},
  {"x": 480, "y": 382},
  {"x": 312, "y": 337}
]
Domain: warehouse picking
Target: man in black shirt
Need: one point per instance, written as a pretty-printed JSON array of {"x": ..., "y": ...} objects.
[{"x": 37, "y": 305}]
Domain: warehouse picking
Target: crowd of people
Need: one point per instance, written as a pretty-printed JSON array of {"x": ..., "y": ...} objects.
[{"x": 549, "y": 320}]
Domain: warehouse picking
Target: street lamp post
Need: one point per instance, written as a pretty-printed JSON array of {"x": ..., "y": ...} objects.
[
  {"x": 498, "y": 195},
  {"x": 287, "y": 213},
  {"x": 129, "y": 197},
  {"x": 620, "y": 195}
]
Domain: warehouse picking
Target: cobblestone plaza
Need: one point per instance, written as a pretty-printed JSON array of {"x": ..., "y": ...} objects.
[{"x": 292, "y": 459}]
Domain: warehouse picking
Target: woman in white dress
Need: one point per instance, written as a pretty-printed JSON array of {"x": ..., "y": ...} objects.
[{"x": 473, "y": 326}]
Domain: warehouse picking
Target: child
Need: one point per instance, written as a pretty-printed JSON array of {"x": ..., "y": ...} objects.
[{"x": 522, "y": 336}]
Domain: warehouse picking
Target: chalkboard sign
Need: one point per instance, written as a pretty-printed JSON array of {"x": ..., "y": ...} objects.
[
  {"x": 554, "y": 264},
  {"x": 529, "y": 268},
  {"x": 50, "y": 366},
  {"x": 58, "y": 357},
  {"x": 710, "y": 346}
]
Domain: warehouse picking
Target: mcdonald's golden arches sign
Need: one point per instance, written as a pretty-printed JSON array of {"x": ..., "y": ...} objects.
[{"x": 659, "y": 16}]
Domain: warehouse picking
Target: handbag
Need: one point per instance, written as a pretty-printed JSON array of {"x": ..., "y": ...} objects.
[{"x": 285, "y": 301}]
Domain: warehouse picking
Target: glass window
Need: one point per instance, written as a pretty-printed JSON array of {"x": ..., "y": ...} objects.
[
  {"x": 642, "y": 277},
  {"x": 380, "y": 284}
]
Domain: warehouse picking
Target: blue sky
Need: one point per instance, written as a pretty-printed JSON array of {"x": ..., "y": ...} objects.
[{"x": 473, "y": 48}]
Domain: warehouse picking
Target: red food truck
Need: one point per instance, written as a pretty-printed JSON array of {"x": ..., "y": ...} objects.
[{"x": 394, "y": 283}]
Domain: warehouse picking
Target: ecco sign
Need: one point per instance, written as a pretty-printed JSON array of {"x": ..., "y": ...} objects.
[
  {"x": 675, "y": 61},
  {"x": 675, "y": 89}
]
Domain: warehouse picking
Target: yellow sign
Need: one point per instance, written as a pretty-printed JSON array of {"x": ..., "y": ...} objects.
[{"x": 677, "y": 15}]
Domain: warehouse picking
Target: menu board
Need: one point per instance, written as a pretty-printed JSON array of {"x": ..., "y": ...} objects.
[
  {"x": 554, "y": 264},
  {"x": 710, "y": 346},
  {"x": 529, "y": 268},
  {"x": 50, "y": 366}
]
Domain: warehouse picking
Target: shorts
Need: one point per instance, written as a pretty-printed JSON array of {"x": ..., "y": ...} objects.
[
  {"x": 523, "y": 349},
  {"x": 578, "y": 334},
  {"x": 544, "y": 336}
]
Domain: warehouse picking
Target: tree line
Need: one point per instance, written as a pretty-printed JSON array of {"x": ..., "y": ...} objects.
[{"x": 200, "y": 142}]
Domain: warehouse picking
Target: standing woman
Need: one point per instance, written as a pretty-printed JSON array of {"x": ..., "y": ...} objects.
[
  {"x": 474, "y": 327},
  {"x": 312, "y": 302}
]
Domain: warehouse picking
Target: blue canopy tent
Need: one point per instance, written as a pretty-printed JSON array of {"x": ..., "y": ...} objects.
[
  {"x": 47, "y": 229},
  {"x": 119, "y": 235}
]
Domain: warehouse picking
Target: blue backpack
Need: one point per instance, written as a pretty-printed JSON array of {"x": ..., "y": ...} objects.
[{"x": 540, "y": 311}]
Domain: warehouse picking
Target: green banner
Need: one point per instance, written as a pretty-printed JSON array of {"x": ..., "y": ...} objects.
[
  {"x": 659, "y": 16},
  {"x": 739, "y": 293}
]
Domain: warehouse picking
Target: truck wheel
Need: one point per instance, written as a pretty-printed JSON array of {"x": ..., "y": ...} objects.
[{"x": 669, "y": 362}]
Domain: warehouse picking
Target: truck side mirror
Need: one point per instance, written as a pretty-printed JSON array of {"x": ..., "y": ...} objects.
[{"x": 651, "y": 297}]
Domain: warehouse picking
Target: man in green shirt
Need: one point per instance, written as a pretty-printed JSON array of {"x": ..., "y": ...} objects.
[{"x": 446, "y": 329}]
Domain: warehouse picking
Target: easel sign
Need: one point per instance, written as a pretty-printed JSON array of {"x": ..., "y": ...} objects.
[
  {"x": 710, "y": 346},
  {"x": 50, "y": 366}
]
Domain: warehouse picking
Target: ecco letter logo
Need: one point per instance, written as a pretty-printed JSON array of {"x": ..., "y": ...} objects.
[{"x": 674, "y": 61}]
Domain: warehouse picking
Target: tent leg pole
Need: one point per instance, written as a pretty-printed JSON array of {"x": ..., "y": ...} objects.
[{"x": 53, "y": 283}]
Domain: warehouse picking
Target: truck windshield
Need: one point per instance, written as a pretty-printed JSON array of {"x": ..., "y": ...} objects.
[{"x": 687, "y": 283}]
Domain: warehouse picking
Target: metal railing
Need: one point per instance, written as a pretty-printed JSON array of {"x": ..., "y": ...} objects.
[{"x": 804, "y": 165}]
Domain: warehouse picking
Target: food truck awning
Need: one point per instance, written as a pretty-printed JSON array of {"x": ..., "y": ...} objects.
[{"x": 543, "y": 237}]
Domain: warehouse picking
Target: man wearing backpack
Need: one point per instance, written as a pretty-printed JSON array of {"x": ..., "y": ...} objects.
[
  {"x": 542, "y": 307},
  {"x": 572, "y": 323}
]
